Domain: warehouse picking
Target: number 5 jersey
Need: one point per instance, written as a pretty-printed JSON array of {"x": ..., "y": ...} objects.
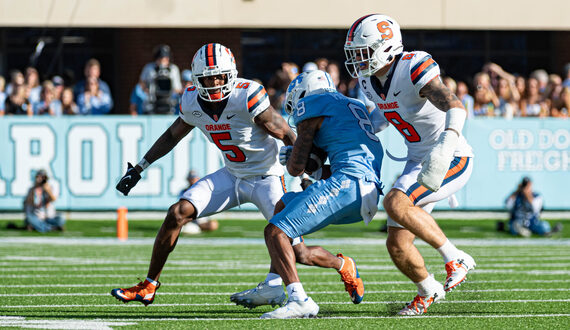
[{"x": 247, "y": 149}]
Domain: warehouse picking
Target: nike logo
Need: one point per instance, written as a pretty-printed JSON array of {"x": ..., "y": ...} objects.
[
  {"x": 230, "y": 116},
  {"x": 398, "y": 93},
  {"x": 128, "y": 177}
]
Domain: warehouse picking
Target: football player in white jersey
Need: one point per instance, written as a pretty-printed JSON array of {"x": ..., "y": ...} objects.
[
  {"x": 409, "y": 94},
  {"x": 235, "y": 115}
]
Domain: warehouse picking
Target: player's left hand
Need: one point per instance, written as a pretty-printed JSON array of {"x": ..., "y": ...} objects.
[
  {"x": 436, "y": 164},
  {"x": 129, "y": 180},
  {"x": 284, "y": 154}
]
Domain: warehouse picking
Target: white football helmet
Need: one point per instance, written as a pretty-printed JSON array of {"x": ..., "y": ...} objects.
[
  {"x": 371, "y": 43},
  {"x": 211, "y": 60},
  {"x": 307, "y": 83}
]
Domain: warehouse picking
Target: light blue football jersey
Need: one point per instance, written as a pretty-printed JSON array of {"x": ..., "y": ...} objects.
[{"x": 346, "y": 134}]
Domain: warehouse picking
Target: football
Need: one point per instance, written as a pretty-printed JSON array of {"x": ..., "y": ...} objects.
[{"x": 317, "y": 158}]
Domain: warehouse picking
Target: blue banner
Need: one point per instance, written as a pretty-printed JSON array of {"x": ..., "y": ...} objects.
[{"x": 86, "y": 156}]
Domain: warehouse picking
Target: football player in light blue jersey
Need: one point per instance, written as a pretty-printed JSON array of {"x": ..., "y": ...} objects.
[{"x": 342, "y": 128}]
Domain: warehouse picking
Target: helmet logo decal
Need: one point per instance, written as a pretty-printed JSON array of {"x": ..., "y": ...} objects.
[{"x": 384, "y": 28}]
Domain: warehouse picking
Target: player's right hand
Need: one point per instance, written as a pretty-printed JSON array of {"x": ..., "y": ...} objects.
[
  {"x": 129, "y": 180},
  {"x": 284, "y": 154}
]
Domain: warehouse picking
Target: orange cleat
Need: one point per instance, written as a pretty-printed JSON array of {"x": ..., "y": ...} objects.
[
  {"x": 352, "y": 281},
  {"x": 420, "y": 304},
  {"x": 142, "y": 292},
  {"x": 457, "y": 270}
]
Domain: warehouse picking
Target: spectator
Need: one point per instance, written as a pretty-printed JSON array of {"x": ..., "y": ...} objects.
[
  {"x": 561, "y": 106},
  {"x": 541, "y": 77},
  {"x": 17, "y": 103},
  {"x": 552, "y": 92},
  {"x": 33, "y": 85},
  {"x": 48, "y": 104},
  {"x": 186, "y": 79},
  {"x": 93, "y": 101},
  {"x": 485, "y": 99},
  {"x": 566, "y": 75},
  {"x": 532, "y": 104},
  {"x": 508, "y": 98},
  {"x": 525, "y": 206},
  {"x": 16, "y": 79},
  {"x": 69, "y": 107},
  {"x": 137, "y": 100},
  {"x": 279, "y": 82},
  {"x": 201, "y": 224},
  {"x": 59, "y": 86},
  {"x": 322, "y": 63},
  {"x": 334, "y": 71},
  {"x": 39, "y": 208},
  {"x": 465, "y": 98},
  {"x": 92, "y": 70},
  {"x": 2, "y": 95},
  {"x": 161, "y": 82},
  {"x": 310, "y": 66},
  {"x": 520, "y": 83}
]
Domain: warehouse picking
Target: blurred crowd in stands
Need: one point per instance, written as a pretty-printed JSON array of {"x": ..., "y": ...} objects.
[{"x": 493, "y": 92}]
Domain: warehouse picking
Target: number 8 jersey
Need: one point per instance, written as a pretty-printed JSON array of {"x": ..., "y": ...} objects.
[
  {"x": 399, "y": 102},
  {"x": 248, "y": 150}
]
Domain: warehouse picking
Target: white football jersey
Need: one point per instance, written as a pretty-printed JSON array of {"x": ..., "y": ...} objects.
[
  {"x": 248, "y": 149},
  {"x": 398, "y": 100}
]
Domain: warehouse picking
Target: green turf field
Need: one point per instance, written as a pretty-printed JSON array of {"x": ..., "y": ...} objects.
[{"x": 63, "y": 280}]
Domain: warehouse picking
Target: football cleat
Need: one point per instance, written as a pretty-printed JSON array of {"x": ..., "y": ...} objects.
[
  {"x": 262, "y": 294},
  {"x": 294, "y": 309},
  {"x": 351, "y": 278},
  {"x": 142, "y": 292},
  {"x": 457, "y": 270},
  {"x": 420, "y": 304}
]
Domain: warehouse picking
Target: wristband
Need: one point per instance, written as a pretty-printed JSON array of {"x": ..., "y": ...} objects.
[{"x": 143, "y": 163}]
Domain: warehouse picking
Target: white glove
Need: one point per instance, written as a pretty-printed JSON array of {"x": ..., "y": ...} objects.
[
  {"x": 284, "y": 154},
  {"x": 436, "y": 164}
]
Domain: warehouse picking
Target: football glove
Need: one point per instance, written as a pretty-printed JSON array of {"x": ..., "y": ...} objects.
[
  {"x": 129, "y": 180},
  {"x": 436, "y": 163},
  {"x": 284, "y": 154}
]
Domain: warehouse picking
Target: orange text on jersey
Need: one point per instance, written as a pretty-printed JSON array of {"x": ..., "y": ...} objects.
[
  {"x": 218, "y": 127},
  {"x": 388, "y": 106}
]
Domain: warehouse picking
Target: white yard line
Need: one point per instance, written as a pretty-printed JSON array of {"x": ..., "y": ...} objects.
[
  {"x": 137, "y": 305},
  {"x": 249, "y": 266},
  {"x": 73, "y": 294},
  {"x": 201, "y": 284},
  {"x": 534, "y": 272}
]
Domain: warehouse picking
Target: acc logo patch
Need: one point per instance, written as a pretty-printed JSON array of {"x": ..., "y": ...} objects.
[{"x": 197, "y": 113}]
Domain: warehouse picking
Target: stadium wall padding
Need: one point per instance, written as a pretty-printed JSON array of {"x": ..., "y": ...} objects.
[{"x": 86, "y": 156}]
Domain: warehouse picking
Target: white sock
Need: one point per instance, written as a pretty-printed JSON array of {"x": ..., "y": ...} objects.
[
  {"x": 273, "y": 279},
  {"x": 296, "y": 290},
  {"x": 428, "y": 285},
  {"x": 341, "y": 264},
  {"x": 448, "y": 251},
  {"x": 153, "y": 282}
]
